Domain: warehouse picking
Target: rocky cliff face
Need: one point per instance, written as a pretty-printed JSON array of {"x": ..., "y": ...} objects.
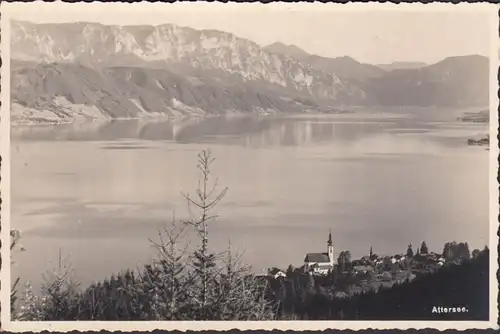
[{"x": 96, "y": 45}]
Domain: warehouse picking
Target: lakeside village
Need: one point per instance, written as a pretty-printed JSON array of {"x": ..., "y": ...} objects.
[{"x": 344, "y": 277}]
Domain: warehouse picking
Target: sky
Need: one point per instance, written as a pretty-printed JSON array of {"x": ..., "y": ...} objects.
[{"x": 376, "y": 33}]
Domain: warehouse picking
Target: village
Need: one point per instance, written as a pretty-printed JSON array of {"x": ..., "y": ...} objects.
[{"x": 344, "y": 277}]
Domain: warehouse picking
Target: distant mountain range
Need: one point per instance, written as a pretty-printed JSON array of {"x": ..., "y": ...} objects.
[
  {"x": 402, "y": 65},
  {"x": 61, "y": 71}
]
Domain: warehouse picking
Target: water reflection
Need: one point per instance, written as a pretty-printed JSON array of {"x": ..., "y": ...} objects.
[{"x": 247, "y": 131}]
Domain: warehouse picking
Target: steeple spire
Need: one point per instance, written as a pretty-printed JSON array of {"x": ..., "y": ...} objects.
[{"x": 330, "y": 243}]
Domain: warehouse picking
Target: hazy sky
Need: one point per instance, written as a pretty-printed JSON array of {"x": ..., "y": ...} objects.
[{"x": 381, "y": 33}]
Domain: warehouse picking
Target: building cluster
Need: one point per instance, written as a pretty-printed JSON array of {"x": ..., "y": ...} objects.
[{"x": 369, "y": 271}]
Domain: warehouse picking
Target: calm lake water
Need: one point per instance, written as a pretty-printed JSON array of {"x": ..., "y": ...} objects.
[{"x": 382, "y": 179}]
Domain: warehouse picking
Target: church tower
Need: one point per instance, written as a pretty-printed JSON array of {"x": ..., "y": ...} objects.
[{"x": 329, "y": 244}]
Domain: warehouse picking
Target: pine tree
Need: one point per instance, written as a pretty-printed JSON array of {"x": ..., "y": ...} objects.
[
  {"x": 60, "y": 293},
  {"x": 240, "y": 295},
  {"x": 204, "y": 261},
  {"x": 32, "y": 308},
  {"x": 423, "y": 248},
  {"x": 166, "y": 278},
  {"x": 409, "y": 251}
]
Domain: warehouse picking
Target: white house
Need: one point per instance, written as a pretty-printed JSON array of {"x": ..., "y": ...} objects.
[
  {"x": 321, "y": 263},
  {"x": 276, "y": 273}
]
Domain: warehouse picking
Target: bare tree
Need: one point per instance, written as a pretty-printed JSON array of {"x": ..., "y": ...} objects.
[
  {"x": 220, "y": 292},
  {"x": 203, "y": 261}
]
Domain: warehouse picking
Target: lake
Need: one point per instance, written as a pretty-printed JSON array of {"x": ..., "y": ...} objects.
[{"x": 385, "y": 179}]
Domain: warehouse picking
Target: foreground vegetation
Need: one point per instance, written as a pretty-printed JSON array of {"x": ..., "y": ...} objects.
[{"x": 182, "y": 284}]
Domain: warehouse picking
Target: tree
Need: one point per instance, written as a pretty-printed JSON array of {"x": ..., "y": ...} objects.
[
  {"x": 409, "y": 251},
  {"x": 475, "y": 253},
  {"x": 239, "y": 294},
  {"x": 423, "y": 248},
  {"x": 456, "y": 251},
  {"x": 228, "y": 293},
  {"x": 60, "y": 293},
  {"x": 203, "y": 261},
  {"x": 344, "y": 261},
  {"x": 463, "y": 251},
  {"x": 166, "y": 278},
  {"x": 448, "y": 251}
]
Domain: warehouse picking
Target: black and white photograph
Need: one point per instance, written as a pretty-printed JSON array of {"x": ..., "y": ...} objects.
[{"x": 208, "y": 165}]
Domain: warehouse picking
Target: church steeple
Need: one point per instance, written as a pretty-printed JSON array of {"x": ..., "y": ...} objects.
[{"x": 331, "y": 255}]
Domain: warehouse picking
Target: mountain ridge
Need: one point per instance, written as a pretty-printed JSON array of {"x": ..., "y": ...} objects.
[
  {"x": 100, "y": 45},
  {"x": 128, "y": 71}
]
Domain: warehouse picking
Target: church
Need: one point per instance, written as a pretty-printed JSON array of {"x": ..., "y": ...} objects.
[{"x": 321, "y": 263}]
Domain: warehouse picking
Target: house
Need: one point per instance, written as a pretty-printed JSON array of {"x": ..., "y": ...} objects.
[
  {"x": 276, "y": 273},
  {"x": 321, "y": 263},
  {"x": 322, "y": 268}
]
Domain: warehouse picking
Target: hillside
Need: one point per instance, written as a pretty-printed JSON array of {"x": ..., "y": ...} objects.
[
  {"x": 117, "y": 92},
  {"x": 453, "y": 82}
]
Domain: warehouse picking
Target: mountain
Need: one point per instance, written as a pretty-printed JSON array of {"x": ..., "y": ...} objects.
[
  {"x": 96, "y": 46},
  {"x": 89, "y": 70},
  {"x": 63, "y": 91},
  {"x": 346, "y": 68},
  {"x": 290, "y": 51},
  {"x": 402, "y": 65},
  {"x": 454, "y": 82}
]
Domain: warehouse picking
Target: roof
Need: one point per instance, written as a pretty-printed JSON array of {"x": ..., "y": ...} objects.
[
  {"x": 275, "y": 271},
  {"x": 317, "y": 257},
  {"x": 323, "y": 265}
]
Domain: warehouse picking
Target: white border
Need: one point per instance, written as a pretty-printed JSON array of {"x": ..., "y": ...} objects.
[{"x": 7, "y": 324}]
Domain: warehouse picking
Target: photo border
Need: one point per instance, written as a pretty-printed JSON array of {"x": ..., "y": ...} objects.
[{"x": 210, "y": 326}]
